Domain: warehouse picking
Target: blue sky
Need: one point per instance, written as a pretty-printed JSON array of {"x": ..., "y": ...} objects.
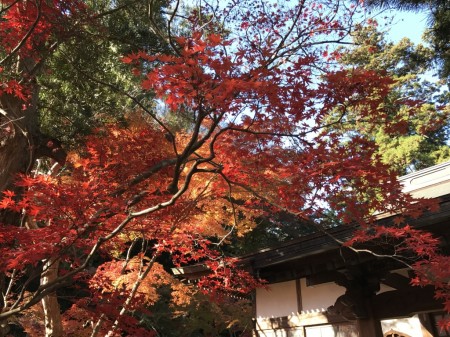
[{"x": 407, "y": 24}]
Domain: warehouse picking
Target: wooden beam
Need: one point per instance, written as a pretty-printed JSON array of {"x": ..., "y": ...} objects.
[
  {"x": 405, "y": 302},
  {"x": 324, "y": 277},
  {"x": 396, "y": 281}
]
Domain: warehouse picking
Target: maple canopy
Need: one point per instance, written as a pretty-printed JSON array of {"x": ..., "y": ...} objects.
[{"x": 257, "y": 89}]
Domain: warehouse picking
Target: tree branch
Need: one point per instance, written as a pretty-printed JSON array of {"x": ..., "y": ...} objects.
[{"x": 25, "y": 37}]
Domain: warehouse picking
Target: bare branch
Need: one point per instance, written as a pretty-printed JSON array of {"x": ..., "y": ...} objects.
[
  {"x": 96, "y": 328},
  {"x": 167, "y": 38},
  {"x": 133, "y": 98},
  {"x": 147, "y": 174},
  {"x": 143, "y": 273},
  {"x": 6, "y": 8}
]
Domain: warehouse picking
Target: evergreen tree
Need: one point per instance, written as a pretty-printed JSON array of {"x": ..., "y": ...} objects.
[
  {"x": 416, "y": 145},
  {"x": 439, "y": 25}
]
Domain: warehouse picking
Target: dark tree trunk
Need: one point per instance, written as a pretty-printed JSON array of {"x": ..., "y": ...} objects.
[
  {"x": 18, "y": 126},
  {"x": 20, "y": 144}
]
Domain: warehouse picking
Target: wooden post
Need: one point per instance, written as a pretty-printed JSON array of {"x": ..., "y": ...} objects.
[{"x": 370, "y": 326}]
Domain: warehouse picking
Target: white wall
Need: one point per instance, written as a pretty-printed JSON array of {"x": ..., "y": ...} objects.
[
  {"x": 407, "y": 325},
  {"x": 319, "y": 297},
  {"x": 280, "y": 299}
]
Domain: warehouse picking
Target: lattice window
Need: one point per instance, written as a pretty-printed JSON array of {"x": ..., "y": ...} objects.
[{"x": 332, "y": 330}]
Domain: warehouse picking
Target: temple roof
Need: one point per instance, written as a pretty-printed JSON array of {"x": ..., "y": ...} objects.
[{"x": 320, "y": 253}]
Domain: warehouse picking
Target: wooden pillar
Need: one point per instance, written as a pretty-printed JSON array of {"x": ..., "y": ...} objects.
[{"x": 370, "y": 326}]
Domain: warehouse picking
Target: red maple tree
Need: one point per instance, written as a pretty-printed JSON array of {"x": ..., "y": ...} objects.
[{"x": 259, "y": 140}]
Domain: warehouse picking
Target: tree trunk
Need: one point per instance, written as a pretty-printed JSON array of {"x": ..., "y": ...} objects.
[
  {"x": 53, "y": 323},
  {"x": 16, "y": 152},
  {"x": 17, "y": 127}
]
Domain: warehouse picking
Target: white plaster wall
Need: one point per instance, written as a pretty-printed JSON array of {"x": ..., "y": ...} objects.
[
  {"x": 296, "y": 320},
  {"x": 408, "y": 325},
  {"x": 281, "y": 333},
  {"x": 279, "y": 299},
  {"x": 319, "y": 297},
  {"x": 384, "y": 288}
]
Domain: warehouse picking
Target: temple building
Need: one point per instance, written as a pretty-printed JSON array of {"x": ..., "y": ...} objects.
[{"x": 317, "y": 288}]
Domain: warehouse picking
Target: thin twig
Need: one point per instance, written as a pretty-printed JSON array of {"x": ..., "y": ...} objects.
[
  {"x": 141, "y": 277},
  {"x": 96, "y": 328}
]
